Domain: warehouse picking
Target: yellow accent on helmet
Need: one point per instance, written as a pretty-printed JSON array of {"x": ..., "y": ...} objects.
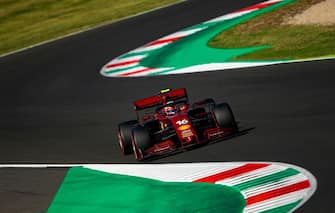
[{"x": 165, "y": 90}]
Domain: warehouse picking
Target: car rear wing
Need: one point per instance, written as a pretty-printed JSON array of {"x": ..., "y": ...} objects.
[{"x": 164, "y": 97}]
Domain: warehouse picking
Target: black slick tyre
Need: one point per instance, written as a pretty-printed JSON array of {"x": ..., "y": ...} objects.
[
  {"x": 141, "y": 140},
  {"x": 224, "y": 116},
  {"x": 124, "y": 134}
]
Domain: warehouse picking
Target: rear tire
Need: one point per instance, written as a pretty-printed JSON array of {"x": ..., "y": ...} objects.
[
  {"x": 224, "y": 116},
  {"x": 124, "y": 134},
  {"x": 141, "y": 140}
]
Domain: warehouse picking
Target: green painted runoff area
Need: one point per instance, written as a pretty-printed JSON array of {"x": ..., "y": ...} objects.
[
  {"x": 84, "y": 190},
  {"x": 284, "y": 41},
  {"x": 27, "y": 22}
]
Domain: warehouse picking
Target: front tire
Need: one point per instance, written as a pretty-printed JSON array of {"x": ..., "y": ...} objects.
[
  {"x": 224, "y": 116},
  {"x": 141, "y": 141},
  {"x": 124, "y": 134}
]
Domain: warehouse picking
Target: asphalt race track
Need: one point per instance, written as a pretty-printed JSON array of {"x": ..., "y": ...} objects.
[{"x": 56, "y": 108}]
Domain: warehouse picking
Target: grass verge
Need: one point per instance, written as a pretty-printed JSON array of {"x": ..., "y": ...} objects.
[
  {"x": 287, "y": 41},
  {"x": 27, "y": 22}
]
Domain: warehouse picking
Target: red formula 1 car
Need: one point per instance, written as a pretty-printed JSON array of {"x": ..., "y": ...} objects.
[{"x": 167, "y": 123}]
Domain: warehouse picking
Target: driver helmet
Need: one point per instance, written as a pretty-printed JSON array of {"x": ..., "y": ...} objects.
[{"x": 169, "y": 110}]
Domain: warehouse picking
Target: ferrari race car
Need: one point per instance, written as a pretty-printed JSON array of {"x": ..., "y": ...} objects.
[{"x": 167, "y": 123}]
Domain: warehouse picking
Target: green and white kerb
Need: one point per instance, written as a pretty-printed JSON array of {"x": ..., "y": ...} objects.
[
  {"x": 187, "y": 51},
  {"x": 248, "y": 187}
]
